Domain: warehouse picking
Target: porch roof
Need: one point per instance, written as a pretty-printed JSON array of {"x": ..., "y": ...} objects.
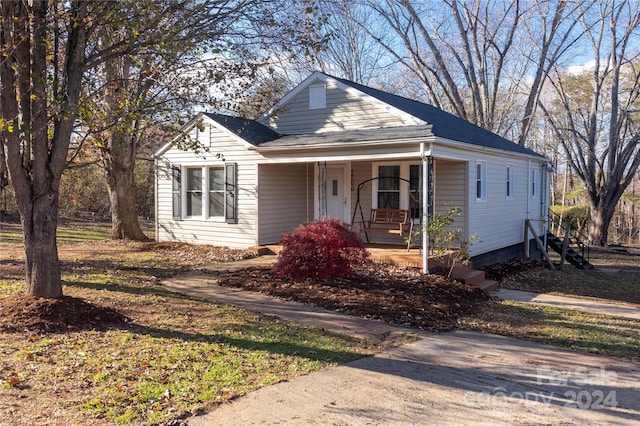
[{"x": 383, "y": 134}]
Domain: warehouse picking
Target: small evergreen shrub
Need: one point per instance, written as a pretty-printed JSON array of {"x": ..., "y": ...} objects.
[{"x": 322, "y": 249}]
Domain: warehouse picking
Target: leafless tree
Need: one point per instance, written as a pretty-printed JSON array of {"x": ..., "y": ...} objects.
[
  {"x": 350, "y": 51},
  {"x": 484, "y": 60},
  {"x": 595, "y": 114}
]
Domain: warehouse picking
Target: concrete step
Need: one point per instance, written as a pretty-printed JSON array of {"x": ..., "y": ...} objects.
[{"x": 487, "y": 285}]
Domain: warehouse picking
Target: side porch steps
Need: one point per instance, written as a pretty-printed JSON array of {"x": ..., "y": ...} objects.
[
  {"x": 571, "y": 256},
  {"x": 468, "y": 275}
]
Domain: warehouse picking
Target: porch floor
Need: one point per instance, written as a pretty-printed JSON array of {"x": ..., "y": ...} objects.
[
  {"x": 398, "y": 255},
  {"x": 395, "y": 254},
  {"x": 380, "y": 253}
]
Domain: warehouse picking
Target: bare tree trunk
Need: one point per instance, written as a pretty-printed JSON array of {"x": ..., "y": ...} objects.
[
  {"x": 119, "y": 172},
  {"x": 41, "y": 250},
  {"x": 599, "y": 226}
]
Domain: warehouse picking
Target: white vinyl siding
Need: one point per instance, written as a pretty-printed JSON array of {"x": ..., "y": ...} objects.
[
  {"x": 361, "y": 172},
  {"x": 342, "y": 111},
  {"x": 499, "y": 222},
  {"x": 286, "y": 198},
  {"x": 202, "y": 230},
  {"x": 451, "y": 191}
]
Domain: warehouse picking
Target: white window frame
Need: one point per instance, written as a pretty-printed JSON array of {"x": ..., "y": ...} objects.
[
  {"x": 187, "y": 190},
  {"x": 404, "y": 186},
  {"x": 535, "y": 182},
  {"x": 213, "y": 191},
  {"x": 318, "y": 96},
  {"x": 229, "y": 190},
  {"x": 481, "y": 180},
  {"x": 510, "y": 184}
]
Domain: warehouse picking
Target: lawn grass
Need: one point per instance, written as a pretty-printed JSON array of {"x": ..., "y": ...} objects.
[
  {"x": 178, "y": 355},
  {"x": 580, "y": 331},
  {"x": 72, "y": 231},
  {"x": 615, "y": 278}
]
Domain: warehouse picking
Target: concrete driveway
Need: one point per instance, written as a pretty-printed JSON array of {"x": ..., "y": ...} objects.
[{"x": 457, "y": 378}]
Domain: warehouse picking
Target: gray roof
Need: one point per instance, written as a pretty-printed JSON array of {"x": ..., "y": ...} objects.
[
  {"x": 445, "y": 125},
  {"x": 249, "y": 130},
  {"x": 352, "y": 136}
]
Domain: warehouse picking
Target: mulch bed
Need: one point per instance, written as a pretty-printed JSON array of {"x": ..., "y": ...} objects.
[
  {"x": 20, "y": 312},
  {"x": 399, "y": 296},
  {"x": 500, "y": 271}
]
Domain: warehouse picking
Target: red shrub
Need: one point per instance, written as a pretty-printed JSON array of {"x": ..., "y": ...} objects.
[{"x": 321, "y": 249}]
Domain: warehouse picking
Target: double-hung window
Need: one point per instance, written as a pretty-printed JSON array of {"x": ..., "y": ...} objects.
[
  {"x": 398, "y": 186},
  {"x": 481, "y": 181},
  {"x": 389, "y": 187},
  {"x": 216, "y": 191},
  {"x": 194, "y": 192},
  {"x": 209, "y": 192},
  {"x": 509, "y": 182}
]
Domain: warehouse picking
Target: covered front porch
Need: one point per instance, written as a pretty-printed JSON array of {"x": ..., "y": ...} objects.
[
  {"x": 348, "y": 189},
  {"x": 399, "y": 255}
]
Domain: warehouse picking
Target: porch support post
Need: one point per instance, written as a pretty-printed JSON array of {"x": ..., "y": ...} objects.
[
  {"x": 425, "y": 209},
  {"x": 322, "y": 189}
]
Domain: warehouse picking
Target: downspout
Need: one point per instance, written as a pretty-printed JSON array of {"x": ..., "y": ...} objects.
[
  {"x": 545, "y": 202},
  {"x": 528, "y": 189},
  {"x": 425, "y": 209},
  {"x": 155, "y": 195}
]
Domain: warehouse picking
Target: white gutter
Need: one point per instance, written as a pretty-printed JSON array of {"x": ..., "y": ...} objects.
[{"x": 425, "y": 209}]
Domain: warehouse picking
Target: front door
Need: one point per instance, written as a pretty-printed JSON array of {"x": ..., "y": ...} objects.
[{"x": 336, "y": 196}]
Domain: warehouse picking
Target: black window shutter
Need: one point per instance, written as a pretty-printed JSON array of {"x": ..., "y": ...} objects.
[
  {"x": 231, "y": 193},
  {"x": 176, "y": 178}
]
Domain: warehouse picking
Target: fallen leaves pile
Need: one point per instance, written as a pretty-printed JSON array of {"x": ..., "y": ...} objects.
[
  {"x": 20, "y": 312},
  {"x": 502, "y": 270},
  {"x": 397, "y": 295}
]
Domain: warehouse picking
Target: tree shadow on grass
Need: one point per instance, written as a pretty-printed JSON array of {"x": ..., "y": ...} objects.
[
  {"x": 148, "y": 289},
  {"x": 281, "y": 338}
]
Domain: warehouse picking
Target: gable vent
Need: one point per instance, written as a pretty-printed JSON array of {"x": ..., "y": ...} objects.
[{"x": 318, "y": 96}]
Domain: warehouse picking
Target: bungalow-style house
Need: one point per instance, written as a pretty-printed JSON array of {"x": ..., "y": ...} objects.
[{"x": 332, "y": 147}]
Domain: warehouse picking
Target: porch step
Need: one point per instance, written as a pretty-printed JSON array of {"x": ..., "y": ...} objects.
[
  {"x": 264, "y": 250},
  {"x": 487, "y": 285},
  {"x": 472, "y": 277}
]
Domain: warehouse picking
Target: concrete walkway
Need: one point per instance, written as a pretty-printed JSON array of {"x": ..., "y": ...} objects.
[
  {"x": 457, "y": 378},
  {"x": 626, "y": 310},
  {"x": 204, "y": 285}
]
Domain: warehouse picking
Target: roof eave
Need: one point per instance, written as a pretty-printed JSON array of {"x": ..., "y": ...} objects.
[
  {"x": 330, "y": 145},
  {"x": 481, "y": 148},
  {"x": 183, "y": 131}
]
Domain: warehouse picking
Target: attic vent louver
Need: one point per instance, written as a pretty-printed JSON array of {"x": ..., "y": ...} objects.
[{"x": 318, "y": 96}]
